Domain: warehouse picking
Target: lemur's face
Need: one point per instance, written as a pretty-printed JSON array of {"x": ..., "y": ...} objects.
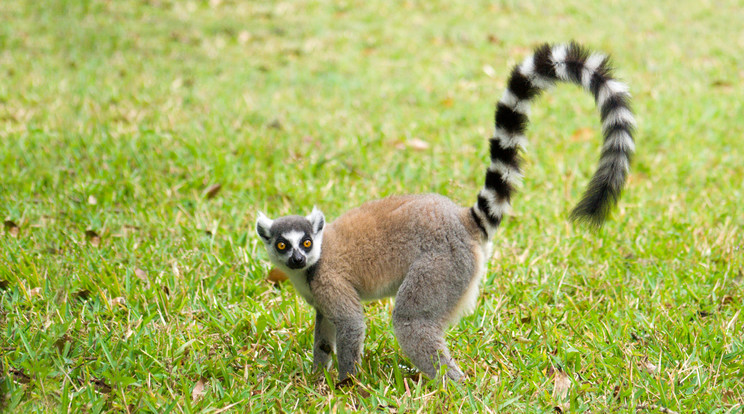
[{"x": 293, "y": 242}]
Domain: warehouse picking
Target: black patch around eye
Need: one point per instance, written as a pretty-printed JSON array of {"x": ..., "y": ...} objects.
[
  {"x": 279, "y": 241},
  {"x": 305, "y": 240}
]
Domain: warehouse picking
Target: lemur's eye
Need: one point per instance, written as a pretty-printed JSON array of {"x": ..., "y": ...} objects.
[
  {"x": 281, "y": 245},
  {"x": 307, "y": 243}
]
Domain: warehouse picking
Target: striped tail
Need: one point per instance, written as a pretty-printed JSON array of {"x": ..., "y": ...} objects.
[{"x": 567, "y": 63}]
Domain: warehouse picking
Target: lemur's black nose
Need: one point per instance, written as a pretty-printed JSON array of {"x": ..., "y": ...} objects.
[{"x": 296, "y": 261}]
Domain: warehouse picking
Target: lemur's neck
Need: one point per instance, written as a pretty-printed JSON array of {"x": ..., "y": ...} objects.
[
  {"x": 301, "y": 276},
  {"x": 310, "y": 272},
  {"x": 301, "y": 279}
]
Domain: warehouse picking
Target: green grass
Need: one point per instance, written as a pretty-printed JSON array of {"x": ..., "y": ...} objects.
[{"x": 124, "y": 286}]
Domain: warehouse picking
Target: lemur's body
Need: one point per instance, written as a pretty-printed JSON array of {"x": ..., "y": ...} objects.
[{"x": 424, "y": 249}]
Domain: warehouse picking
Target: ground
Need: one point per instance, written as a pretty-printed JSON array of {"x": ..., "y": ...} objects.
[{"x": 140, "y": 138}]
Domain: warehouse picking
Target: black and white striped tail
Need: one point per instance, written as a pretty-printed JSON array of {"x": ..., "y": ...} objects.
[{"x": 549, "y": 64}]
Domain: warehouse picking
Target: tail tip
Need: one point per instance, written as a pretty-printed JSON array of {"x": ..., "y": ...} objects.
[
  {"x": 595, "y": 207},
  {"x": 594, "y": 219}
]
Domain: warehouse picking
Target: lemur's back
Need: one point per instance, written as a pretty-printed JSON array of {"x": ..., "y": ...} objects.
[{"x": 375, "y": 244}]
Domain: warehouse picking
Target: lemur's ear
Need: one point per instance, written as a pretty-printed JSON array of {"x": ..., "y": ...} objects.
[
  {"x": 317, "y": 220},
  {"x": 263, "y": 226}
]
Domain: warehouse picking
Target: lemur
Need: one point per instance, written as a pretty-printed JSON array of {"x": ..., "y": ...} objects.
[{"x": 426, "y": 250}]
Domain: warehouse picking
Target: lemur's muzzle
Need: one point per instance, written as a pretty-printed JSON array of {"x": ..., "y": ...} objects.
[{"x": 297, "y": 260}]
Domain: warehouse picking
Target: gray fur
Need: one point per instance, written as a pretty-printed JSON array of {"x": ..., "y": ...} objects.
[
  {"x": 289, "y": 223},
  {"x": 424, "y": 250}
]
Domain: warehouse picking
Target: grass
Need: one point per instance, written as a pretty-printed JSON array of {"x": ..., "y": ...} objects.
[{"x": 139, "y": 138}]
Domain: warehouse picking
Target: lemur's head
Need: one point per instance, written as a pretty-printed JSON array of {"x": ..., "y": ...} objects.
[{"x": 293, "y": 242}]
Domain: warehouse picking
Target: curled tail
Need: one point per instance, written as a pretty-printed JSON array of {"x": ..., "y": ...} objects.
[{"x": 549, "y": 64}]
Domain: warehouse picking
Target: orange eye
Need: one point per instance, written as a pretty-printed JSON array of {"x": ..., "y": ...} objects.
[
  {"x": 307, "y": 244},
  {"x": 281, "y": 246}
]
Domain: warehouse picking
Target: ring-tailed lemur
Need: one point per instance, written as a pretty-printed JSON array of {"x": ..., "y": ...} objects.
[{"x": 427, "y": 251}]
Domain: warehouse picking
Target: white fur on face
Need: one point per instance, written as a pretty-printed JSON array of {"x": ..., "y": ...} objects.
[
  {"x": 294, "y": 237},
  {"x": 314, "y": 254}
]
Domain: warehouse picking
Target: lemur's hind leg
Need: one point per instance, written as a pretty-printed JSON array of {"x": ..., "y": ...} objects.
[
  {"x": 422, "y": 341},
  {"x": 426, "y": 301}
]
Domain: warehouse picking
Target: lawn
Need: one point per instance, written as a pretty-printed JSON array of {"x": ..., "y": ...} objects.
[{"x": 140, "y": 138}]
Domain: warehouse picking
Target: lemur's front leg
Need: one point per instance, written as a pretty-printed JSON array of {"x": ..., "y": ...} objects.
[
  {"x": 339, "y": 303},
  {"x": 325, "y": 342},
  {"x": 350, "y": 343}
]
